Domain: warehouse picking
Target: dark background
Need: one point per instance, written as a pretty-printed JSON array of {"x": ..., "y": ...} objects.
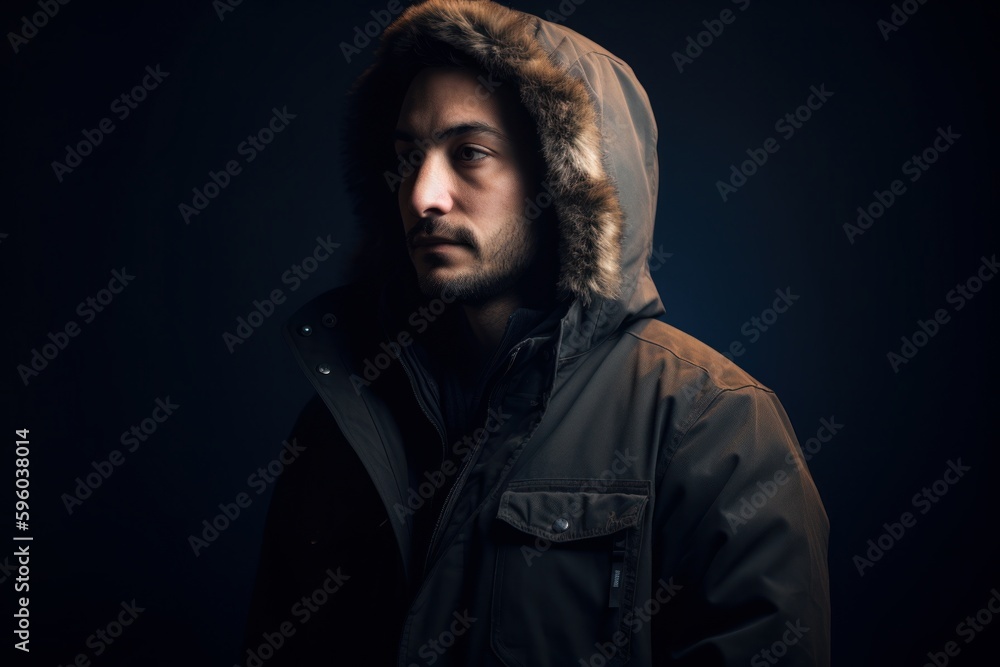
[{"x": 162, "y": 336}]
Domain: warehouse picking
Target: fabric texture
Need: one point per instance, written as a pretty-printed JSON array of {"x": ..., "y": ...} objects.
[{"x": 597, "y": 514}]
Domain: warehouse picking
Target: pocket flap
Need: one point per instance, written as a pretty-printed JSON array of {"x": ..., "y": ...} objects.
[{"x": 563, "y": 516}]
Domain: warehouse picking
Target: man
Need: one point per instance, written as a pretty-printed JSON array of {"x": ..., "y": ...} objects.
[{"x": 509, "y": 460}]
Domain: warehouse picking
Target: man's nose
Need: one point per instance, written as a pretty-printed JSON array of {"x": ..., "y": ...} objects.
[{"x": 430, "y": 193}]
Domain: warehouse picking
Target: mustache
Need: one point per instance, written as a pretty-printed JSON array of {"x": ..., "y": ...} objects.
[{"x": 437, "y": 227}]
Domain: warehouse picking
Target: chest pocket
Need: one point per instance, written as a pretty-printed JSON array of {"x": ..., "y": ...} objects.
[{"x": 566, "y": 570}]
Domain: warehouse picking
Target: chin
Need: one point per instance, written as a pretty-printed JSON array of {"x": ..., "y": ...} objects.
[{"x": 433, "y": 282}]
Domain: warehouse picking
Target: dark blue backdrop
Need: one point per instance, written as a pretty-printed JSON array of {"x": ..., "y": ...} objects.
[{"x": 888, "y": 89}]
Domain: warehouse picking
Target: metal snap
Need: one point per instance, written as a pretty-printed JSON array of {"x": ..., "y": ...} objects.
[
  {"x": 305, "y": 330},
  {"x": 561, "y": 525},
  {"x": 324, "y": 369},
  {"x": 329, "y": 320}
]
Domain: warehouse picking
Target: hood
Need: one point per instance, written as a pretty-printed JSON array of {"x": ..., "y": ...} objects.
[{"x": 597, "y": 134}]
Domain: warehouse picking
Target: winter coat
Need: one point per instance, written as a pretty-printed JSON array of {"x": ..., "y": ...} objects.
[{"x": 631, "y": 496}]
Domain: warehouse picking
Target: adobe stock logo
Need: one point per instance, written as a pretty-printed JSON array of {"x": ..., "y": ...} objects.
[
  {"x": 106, "y": 635},
  {"x": 103, "y": 469},
  {"x": 214, "y": 526},
  {"x": 122, "y": 106},
  {"x": 435, "y": 479},
  {"x": 363, "y": 35},
  {"x": 635, "y": 620},
  {"x": 923, "y": 500},
  {"x": 433, "y": 649},
  {"x": 38, "y": 20},
  {"x": 248, "y": 148},
  {"x": 407, "y": 164},
  {"x": 915, "y": 167},
  {"x": 968, "y": 630},
  {"x": 713, "y": 29},
  {"x": 751, "y": 503},
  {"x": 294, "y": 276},
  {"x": 302, "y": 610},
  {"x": 756, "y": 326},
  {"x": 87, "y": 309},
  {"x": 777, "y": 650},
  {"x": 898, "y": 18},
  {"x": 786, "y": 125},
  {"x": 958, "y": 297},
  {"x": 221, "y": 7},
  {"x": 562, "y": 13}
]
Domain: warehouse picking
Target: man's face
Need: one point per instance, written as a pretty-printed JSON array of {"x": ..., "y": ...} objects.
[{"x": 473, "y": 167}]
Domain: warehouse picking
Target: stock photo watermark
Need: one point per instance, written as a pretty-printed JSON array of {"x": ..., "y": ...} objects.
[
  {"x": 104, "y": 637},
  {"x": 223, "y": 7},
  {"x": 420, "y": 319},
  {"x": 122, "y": 106},
  {"x": 915, "y": 167},
  {"x": 923, "y": 500},
  {"x": 635, "y": 619},
  {"x": 435, "y": 479},
  {"x": 760, "y": 324},
  {"x": 621, "y": 462},
  {"x": 779, "y": 648},
  {"x": 264, "y": 308},
  {"x": 248, "y": 149},
  {"x": 258, "y": 481},
  {"x": 968, "y": 629},
  {"x": 750, "y": 504},
  {"x": 898, "y": 17},
  {"x": 87, "y": 309},
  {"x": 714, "y": 28},
  {"x": 131, "y": 439},
  {"x": 432, "y": 650},
  {"x": 957, "y": 297},
  {"x": 407, "y": 161},
  {"x": 787, "y": 125},
  {"x": 364, "y": 34},
  {"x": 48, "y": 9},
  {"x": 302, "y": 611}
]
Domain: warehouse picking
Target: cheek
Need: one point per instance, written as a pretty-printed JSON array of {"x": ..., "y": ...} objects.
[{"x": 497, "y": 196}]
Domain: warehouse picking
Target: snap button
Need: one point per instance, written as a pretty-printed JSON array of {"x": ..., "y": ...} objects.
[
  {"x": 329, "y": 320},
  {"x": 324, "y": 369},
  {"x": 305, "y": 330},
  {"x": 561, "y": 525}
]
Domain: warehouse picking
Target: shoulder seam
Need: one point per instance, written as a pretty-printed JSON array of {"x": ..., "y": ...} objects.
[
  {"x": 694, "y": 416},
  {"x": 755, "y": 383}
]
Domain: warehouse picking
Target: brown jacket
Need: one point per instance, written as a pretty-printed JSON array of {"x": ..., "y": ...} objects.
[{"x": 632, "y": 497}]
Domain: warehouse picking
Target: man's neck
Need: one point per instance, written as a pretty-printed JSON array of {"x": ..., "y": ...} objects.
[
  {"x": 489, "y": 321},
  {"x": 485, "y": 323}
]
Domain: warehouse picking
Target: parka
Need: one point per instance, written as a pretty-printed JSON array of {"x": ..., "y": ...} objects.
[{"x": 630, "y": 496}]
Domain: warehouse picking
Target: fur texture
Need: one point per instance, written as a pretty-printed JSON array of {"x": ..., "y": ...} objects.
[{"x": 500, "y": 41}]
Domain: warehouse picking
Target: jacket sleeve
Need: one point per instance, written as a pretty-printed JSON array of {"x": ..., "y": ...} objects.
[{"x": 739, "y": 525}]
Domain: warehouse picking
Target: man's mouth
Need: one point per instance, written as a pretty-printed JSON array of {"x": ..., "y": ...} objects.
[{"x": 434, "y": 241}]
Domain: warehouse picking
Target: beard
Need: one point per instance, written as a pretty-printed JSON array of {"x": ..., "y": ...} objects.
[{"x": 497, "y": 264}]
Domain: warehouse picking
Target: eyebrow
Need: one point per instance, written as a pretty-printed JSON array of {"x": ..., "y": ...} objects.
[{"x": 473, "y": 127}]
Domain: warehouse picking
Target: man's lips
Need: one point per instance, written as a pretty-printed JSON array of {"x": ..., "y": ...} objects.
[{"x": 432, "y": 241}]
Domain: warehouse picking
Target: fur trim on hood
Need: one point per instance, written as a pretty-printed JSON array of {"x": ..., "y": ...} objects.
[{"x": 559, "y": 76}]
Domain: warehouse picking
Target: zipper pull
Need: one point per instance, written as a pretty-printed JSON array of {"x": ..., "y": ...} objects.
[{"x": 617, "y": 575}]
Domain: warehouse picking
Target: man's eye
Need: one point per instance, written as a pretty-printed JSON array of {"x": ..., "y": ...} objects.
[{"x": 470, "y": 154}]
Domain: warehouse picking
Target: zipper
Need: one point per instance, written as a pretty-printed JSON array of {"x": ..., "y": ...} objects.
[
  {"x": 423, "y": 406},
  {"x": 404, "y": 352},
  {"x": 467, "y": 464}
]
